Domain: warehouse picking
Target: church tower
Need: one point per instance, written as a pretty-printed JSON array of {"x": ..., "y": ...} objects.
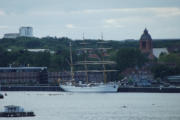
[{"x": 145, "y": 42}]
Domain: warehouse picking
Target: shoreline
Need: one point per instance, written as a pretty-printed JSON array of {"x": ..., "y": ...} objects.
[
  {"x": 120, "y": 89},
  {"x": 149, "y": 89}
]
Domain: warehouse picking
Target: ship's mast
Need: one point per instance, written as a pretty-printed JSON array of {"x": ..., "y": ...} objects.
[
  {"x": 104, "y": 66},
  {"x": 102, "y": 37},
  {"x": 101, "y": 62},
  {"x": 71, "y": 62},
  {"x": 85, "y": 59}
]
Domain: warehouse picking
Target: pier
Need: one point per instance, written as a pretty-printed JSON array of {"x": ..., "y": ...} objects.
[
  {"x": 149, "y": 89},
  {"x": 120, "y": 89},
  {"x": 31, "y": 88}
]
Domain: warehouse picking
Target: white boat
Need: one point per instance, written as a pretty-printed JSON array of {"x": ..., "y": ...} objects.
[
  {"x": 73, "y": 86},
  {"x": 100, "y": 88},
  {"x": 1, "y": 96}
]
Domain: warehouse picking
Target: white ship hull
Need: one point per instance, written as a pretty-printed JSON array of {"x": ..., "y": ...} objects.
[{"x": 98, "y": 88}]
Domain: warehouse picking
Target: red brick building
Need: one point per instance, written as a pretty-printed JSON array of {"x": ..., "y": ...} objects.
[{"x": 145, "y": 44}]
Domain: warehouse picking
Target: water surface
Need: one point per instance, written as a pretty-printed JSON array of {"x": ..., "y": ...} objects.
[{"x": 99, "y": 106}]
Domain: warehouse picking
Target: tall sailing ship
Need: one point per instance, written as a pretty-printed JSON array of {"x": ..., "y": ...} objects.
[{"x": 89, "y": 86}]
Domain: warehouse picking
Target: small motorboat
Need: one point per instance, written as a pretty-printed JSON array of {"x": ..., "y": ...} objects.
[
  {"x": 16, "y": 111},
  {"x": 1, "y": 96}
]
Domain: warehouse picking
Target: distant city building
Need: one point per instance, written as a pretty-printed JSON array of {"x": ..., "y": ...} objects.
[
  {"x": 40, "y": 76},
  {"x": 146, "y": 47},
  {"x": 9, "y": 50},
  {"x": 26, "y": 32},
  {"x": 23, "y": 32},
  {"x": 35, "y": 50},
  {"x": 137, "y": 77},
  {"x": 11, "y": 35},
  {"x": 173, "y": 80},
  {"x": 41, "y": 50},
  {"x": 158, "y": 51},
  {"x": 23, "y": 75},
  {"x": 146, "y": 42}
]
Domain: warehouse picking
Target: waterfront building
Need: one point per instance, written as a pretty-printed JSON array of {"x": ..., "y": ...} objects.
[
  {"x": 11, "y": 35},
  {"x": 137, "y": 77},
  {"x": 41, "y": 50},
  {"x": 40, "y": 76},
  {"x": 23, "y": 75},
  {"x": 26, "y": 32},
  {"x": 158, "y": 51},
  {"x": 173, "y": 80}
]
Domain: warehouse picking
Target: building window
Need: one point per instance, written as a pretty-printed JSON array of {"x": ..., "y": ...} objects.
[{"x": 143, "y": 44}]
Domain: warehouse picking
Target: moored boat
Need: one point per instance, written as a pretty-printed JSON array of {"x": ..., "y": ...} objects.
[
  {"x": 99, "y": 88},
  {"x": 16, "y": 111},
  {"x": 1, "y": 96},
  {"x": 76, "y": 86}
]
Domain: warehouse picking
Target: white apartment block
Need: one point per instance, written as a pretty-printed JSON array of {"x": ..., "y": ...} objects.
[
  {"x": 11, "y": 35},
  {"x": 26, "y": 32}
]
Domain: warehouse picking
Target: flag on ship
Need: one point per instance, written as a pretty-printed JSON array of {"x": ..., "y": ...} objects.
[{"x": 93, "y": 56}]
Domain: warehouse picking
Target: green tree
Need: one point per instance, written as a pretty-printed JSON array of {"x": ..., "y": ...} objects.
[
  {"x": 129, "y": 57},
  {"x": 42, "y": 59},
  {"x": 172, "y": 58},
  {"x": 4, "y": 61}
]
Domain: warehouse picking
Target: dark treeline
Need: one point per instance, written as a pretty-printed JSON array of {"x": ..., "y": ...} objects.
[
  {"x": 19, "y": 56},
  {"x": 20, "y": 43},
  {"x": 56, "y": 44},
  {"x": 24, "y": 58},
  {"x": 125, "y": 53}
]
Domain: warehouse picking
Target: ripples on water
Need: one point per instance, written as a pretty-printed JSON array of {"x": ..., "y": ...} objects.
[{"x": 105, "y": 106}]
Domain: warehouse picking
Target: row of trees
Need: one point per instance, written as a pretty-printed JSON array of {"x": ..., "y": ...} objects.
[
  {"x": 129, "y": 58},
  {"x": 126, "y": 54},
  {"x": 54, "y": 43},
  {"x": 168, "y": 64},
  {"x": 55, "y": 62},
  {"x": 58, "y": 61},
  {"x": 125, "y": 57}
]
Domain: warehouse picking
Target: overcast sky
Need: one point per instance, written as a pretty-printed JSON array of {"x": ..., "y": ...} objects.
[{"x": 117, "y": 19}]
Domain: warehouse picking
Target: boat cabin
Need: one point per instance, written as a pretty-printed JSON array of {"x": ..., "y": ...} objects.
[
  {"x": 1, "y": 96},
  {"x": 15, "y": 111},
  {"x": 13, "y": 108}
]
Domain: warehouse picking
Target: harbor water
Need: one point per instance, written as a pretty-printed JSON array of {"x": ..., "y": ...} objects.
[{"x": 95, "y": 106}]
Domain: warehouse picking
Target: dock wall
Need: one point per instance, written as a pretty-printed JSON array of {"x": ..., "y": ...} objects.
[
  {"x": 31, "y": 88},
  {"x": 149, "y": 89},
  {"x": 120, "y": 89}
]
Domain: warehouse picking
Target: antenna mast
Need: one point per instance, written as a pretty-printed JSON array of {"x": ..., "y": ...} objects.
[
  {"x": 83, "y": 36},
  {"x": 102, "y": 36}
]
